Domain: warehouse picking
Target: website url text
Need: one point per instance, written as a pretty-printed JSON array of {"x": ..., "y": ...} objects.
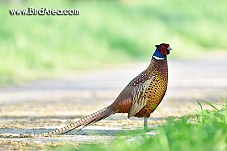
[{"x": 43, "y": 11}]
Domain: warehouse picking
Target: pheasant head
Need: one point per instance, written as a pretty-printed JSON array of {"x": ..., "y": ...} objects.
[{"x": 161, "y": 51}]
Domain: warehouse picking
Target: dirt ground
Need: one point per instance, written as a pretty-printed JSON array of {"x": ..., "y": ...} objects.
[{"x": 43, "y": 105}]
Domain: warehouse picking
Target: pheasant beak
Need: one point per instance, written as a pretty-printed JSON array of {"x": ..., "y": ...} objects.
[{"x": 169, "y": 48}]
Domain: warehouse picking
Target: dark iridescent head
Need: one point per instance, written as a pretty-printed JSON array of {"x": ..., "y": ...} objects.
[{"x": 161, "y": 51}]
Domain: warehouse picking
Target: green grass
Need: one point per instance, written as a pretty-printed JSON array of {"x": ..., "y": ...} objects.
[
  {"x": 105, "y": 32},
  {"x": 204, "y": 131}
]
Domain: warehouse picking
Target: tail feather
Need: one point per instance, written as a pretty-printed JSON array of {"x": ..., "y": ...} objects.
[{"x": 97, "y": 116}]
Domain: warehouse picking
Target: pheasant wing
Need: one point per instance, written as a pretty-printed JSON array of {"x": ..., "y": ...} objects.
[{"x": 138, "y": 98}]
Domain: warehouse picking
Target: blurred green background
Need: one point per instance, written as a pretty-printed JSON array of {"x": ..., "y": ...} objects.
[{"x": 105, "y": 32}]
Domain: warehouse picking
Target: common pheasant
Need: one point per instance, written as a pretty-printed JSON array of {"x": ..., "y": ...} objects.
[{"x": 139, "y": 98}]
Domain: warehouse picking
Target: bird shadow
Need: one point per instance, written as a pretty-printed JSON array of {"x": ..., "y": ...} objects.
[
  {"x": 109, "y": 132},
  {"x": 87, "y": 132}
]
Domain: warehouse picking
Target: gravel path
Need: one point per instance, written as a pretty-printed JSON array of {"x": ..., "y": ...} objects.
[{"x": 47, "y": 104}]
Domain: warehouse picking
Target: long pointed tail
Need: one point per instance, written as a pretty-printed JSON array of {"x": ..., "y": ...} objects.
[{"x": 99, "y": 115}]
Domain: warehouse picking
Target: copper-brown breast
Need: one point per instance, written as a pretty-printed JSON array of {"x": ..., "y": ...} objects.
[
  {"x": 157, "y": 73},
  {"x": 155, "y": 91}
]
